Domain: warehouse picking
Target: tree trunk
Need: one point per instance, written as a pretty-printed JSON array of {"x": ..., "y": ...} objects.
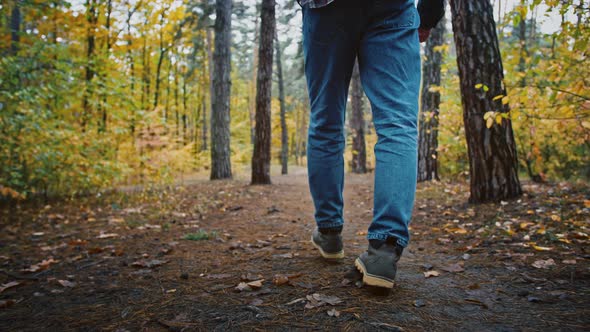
[
  {"x": 252, "y": 94},
  {"x": 15, "y": 23},
  {"x": 163, "y": 51},
  {"x": 103, "y": 126},
  {"x": 358, "y": 164},
  {"x": 91, "y": 18},
  {"x": 220, "y": 109},
  {"x": 492, "y": 151},
  {"x": 204, "y": 126},
  {"x": 428, "y": 136},
  {"x": 284, "y": 132},
  {"x": 261, "y": 156}
]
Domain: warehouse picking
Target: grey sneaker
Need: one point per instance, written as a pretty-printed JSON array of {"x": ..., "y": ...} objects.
[
  {"x": 328, "y": 242},
  {"x": 379, "y": 263}
]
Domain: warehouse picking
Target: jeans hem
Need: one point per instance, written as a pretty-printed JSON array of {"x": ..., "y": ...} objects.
[
  {"x": 325, "y": 225},
  {"x": 383, "y": 237}
]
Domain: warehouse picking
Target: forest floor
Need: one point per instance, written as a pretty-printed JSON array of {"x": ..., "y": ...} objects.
[{"x": 180, "y": 258}]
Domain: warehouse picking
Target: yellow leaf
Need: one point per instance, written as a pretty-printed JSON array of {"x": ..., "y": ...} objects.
[
  {"x": 498, "y": 97},
  {"x": 539, "y": 248},
  {"x": 478, "y": 86},
  {"x": 489, "y": 122},
  {"x": 499, "y": 119}
]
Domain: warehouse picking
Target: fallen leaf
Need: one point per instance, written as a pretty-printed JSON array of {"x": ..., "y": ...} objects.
[
  {"x": 256, "y": 284},
  {"x": 242, "y": 286},
  {"x": 539, "y": 248},
  {"x": 453, "y": 268},
  {"x": 66, "y": 283},
  {"x": 8, "y": 285},
  {"x": 301, "y": 299},
  {"x": 116, "y": 220},
  {"x": 333, "y": 313},
  {"x": 280, "y": 279},
  {"x": 569, "y": 261},
  {"x": 78, "y": 242},
  {"x": 544, "y": 264},
  {"x": 317, "y": 300},
  {"x": 148, "y": 263},
  {"x": 107, "y": 235},
  {"x": 432, "y": 273},
  {"x": 6, "y": 303},
  {"x": 40, "y": 266}
]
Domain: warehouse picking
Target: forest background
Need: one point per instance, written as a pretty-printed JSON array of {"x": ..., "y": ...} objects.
[{"x": 101, "y": 93}]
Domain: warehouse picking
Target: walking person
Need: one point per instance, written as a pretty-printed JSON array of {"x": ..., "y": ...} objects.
[{"x": 384, "y": 35}]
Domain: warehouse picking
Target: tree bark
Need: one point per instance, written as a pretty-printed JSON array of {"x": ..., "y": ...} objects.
[
  {"x": 358, "y": 163},
  {"x": 492, "y": 151},
  {"x": 252, "y": 95},
  {"x": 163, "y": 51},
  {"x": 103, "y": 126},
  {"x": 92, "y": 19},
  {"x": 428, "y": 135},
  {"x": 261, "y": 156},
  {"x": 204, "y": 125},
  {"x": 15, "y": 23},
  {"x": 220, "y": 109},
  {"x": 284, "y": 130}
]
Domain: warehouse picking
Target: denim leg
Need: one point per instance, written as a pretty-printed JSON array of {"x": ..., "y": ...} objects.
[
  {"x": 330, "y": 43},
  {"x": 389, "y": 63}
]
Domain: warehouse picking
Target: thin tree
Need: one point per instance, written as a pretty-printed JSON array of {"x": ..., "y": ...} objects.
[
  {"x": 92, "y": 19},
  {"x": 220, "y": 101},
  {"x": 428, "y": 135},
  {"x": 283, "y": 111},
  {"x": 357, "y": 124},
  {"x": 261, "y": 156},
  {"x": 491, "y": 148}
]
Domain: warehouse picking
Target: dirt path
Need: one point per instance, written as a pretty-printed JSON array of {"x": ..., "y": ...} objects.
[{"x": 122, "y": 262}]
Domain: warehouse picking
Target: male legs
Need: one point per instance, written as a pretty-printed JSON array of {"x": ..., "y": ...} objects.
[
  {"x": 330, "y": 44},
  {"x": 384, "y": 34}
]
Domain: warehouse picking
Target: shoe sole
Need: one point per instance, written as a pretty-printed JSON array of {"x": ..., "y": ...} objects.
[
  {"x": 371, "y": 279},
  {"x": 328, "y": 255}
]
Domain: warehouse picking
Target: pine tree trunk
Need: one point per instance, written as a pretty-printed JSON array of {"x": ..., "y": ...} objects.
[
  {"x": 357, "y": 124},
  {"x": 204, "y": 126},
  {"x": 284, "y": 131},
  {"x": 428, "y": 136},
  {"x": 261, "y": 156},
  {"x": 220, "y": 109},
  {"x": 492, "y": 151}
]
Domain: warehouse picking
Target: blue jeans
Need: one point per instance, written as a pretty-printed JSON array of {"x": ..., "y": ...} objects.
[{"x": 383, "y": 35}]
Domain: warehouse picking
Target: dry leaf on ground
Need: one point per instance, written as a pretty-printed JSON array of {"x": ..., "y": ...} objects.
[
  {"x": 544, "y": 264},
  {"x": 432, "y": 273}
]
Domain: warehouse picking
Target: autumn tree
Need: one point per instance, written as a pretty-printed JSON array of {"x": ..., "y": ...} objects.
[
  {"x": 490, "y": 141},
  {"x": 261, "y": 157},
  {"x": 429, "y": 122},
  {"x": 220, "y": 99}
]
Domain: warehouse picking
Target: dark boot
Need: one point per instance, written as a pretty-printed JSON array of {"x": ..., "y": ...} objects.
[
  {"x": 328, "y": 242},
  {"x": 379, "y": 263}
]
